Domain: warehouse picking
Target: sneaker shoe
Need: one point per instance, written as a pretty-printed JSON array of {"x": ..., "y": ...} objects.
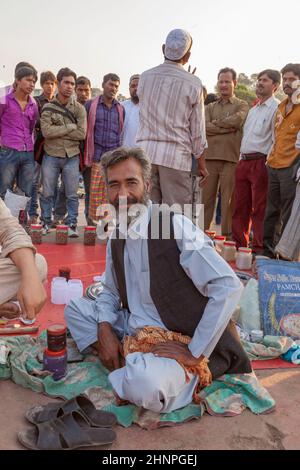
[
  {"x": 33, "y": 220},
  {"x": 73, "y": 232},
  {"x": 45, "y": 229},
  {"x": 56, "y": 222}
]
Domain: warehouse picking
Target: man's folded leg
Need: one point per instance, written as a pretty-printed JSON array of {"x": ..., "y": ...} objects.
[
  {"x": 154, "y": 383},
  {"x": 82, "y": 320}
]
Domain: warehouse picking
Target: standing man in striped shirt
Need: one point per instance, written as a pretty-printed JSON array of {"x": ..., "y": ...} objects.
[{"x": 172, "y": 122}]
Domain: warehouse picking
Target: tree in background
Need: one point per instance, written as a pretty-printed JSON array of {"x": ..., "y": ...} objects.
[
  {"x": 245, "y": 89},
  {"x": 245, "y": 93}
]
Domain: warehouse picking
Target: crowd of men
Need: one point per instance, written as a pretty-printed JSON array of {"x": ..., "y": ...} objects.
[
  {"x": 247, "y": 157},
  {"x": 162, "y": 325}
]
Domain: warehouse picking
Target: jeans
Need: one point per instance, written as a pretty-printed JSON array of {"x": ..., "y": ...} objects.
[
  {"x": 59, "y": 199},
  {"x": 60, "y": 208},
  {"x": 34, "y": 205},
  {"x": 16, "y": 166},
  {"x": 69, "y": 168}
]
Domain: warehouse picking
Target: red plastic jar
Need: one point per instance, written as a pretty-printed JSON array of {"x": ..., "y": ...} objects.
[
  {"x": 89, "y": 238},
  {"x": 36, "y": 233},
  {"x": 57, "y": 337},
  {"x": 62, "y": 234}
]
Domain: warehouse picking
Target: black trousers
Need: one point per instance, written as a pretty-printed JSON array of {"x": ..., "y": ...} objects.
[{"x": 281, "y": 195}]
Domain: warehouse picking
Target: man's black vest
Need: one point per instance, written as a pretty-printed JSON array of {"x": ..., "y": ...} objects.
[{"x": 178, "y": 302}]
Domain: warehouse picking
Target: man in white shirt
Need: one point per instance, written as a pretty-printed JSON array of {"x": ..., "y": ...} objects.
[
  {"x": 132, "y": 111},
  {"x": 251, "y": 179},
  {"x": 168, "y": 286},
  {"x": 172, "y": 122}
]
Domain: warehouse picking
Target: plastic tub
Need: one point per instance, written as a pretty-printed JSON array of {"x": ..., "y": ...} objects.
[
  {"x": 244, "y": 258},
  {"x": 74, "y": 290},
  {"x": 59, "y": 292},
  {"x": 229, "y": 251}
]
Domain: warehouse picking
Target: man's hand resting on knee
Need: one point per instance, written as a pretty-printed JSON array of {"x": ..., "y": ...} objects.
[
  {"x": 110, "y": 348},
  {"x": 178, "y": 351}
]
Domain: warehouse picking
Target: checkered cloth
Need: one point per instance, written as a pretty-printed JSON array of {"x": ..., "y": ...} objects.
[
  {"x": 148, "y": 336},
  {"x": 97, "y": 193}
]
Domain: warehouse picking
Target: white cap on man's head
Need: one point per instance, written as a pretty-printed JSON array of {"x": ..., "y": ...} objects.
[{"x": 177, "y": 44}]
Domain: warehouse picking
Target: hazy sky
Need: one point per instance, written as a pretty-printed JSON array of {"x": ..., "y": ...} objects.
[{"x": 94, "y": 37}]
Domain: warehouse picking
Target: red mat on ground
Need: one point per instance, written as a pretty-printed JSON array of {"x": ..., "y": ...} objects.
[
  {"x": 85, "y": 262},
  {"x": 273, "y": 364}
]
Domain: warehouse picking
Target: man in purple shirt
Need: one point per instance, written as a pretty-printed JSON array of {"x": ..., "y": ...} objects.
[
  {"x": 18, "y": 116},
  {"x": 107, "y": 129},
  {"x": 106, "y": 125}
]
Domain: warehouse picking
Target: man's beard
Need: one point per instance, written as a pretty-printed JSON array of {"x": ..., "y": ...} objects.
[
  {"x": 129, "y": 212},
  {"x": 135, "y": 99}
]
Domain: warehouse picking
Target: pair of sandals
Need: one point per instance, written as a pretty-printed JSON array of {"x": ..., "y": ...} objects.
[{"x": 75, "y": 423}]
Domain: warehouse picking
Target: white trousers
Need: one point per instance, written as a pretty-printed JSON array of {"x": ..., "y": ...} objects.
[{"x": 154, "y": 383}]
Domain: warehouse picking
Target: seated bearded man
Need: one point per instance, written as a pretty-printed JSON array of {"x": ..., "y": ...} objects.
[{"x": 162, "y": 323}]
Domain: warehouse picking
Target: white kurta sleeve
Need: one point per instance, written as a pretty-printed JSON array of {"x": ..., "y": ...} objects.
[{"x": 213, "y": 277}]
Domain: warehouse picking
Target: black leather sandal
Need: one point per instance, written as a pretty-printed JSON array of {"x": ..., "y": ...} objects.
[
  {"x": 69, "y": 432},
  {"x": 96, "y": 418}
]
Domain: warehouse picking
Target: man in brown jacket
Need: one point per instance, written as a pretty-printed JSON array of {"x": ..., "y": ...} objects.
[
  {"x": 21, "y": 270},
  {"x": 63, "y": 125},
  {"x": 224, "y": 120}
]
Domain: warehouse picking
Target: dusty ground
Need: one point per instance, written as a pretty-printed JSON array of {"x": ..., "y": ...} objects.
[{"x": 275, "y": 431}]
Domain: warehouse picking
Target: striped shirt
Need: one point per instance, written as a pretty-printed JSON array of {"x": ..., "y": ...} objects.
[{"x": 172, "y": 122}]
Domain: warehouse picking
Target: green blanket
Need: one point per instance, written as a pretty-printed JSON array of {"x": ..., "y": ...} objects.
[
  {"x": 270, "y": 348},
  {"x": 227, "y": 396}
]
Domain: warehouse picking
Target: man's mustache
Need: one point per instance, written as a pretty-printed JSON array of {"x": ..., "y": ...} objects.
[{"x": 129, "y": 200}]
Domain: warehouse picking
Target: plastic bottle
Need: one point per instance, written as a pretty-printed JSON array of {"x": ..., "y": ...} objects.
[
  {"x": 229, "y": 251},
  {"x": 244, "y": 258},
  {"x": 219, "y": 243}
]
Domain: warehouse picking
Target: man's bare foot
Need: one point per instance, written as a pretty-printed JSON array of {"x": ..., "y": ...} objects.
[{"x": 9, "y": 310}]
